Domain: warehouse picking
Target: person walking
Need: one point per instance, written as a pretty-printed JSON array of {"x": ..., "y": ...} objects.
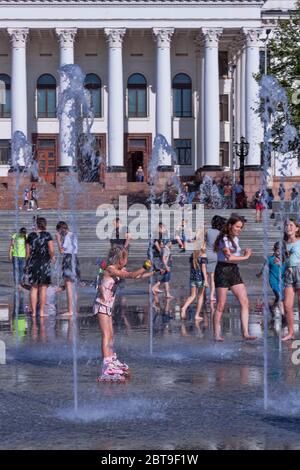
[
  {"x": 227, "y": 274},
  {"x": 217, "y": 223}
]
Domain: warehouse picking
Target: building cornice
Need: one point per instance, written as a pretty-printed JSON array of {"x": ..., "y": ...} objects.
[{"x": 132, "y": 2}]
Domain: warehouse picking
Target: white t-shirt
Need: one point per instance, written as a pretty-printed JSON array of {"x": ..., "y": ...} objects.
[
  {"x": 235, "y": 248},
  {"x": 70, "y": 244}
]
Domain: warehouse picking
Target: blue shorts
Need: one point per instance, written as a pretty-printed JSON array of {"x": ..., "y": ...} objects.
[
  {"x": 166, "y": 277},
  {"x": 198, "y": 284}
]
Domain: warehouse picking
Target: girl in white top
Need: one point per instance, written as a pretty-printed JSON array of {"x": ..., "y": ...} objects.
[{"x": 227, "y": 274}]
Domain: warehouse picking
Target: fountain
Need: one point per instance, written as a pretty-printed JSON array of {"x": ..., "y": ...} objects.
[
  {"x": 75, "y": 120},
  {"x": 274, "y": 106}
]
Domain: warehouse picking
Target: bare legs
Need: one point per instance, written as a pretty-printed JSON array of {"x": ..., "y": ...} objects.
[
  {"x": 191, "y": 299},
  {"x": 33, "y": 299},
  {"x": 289, "y": 297},
  {"x": 221, "y": 296},
  {"x": 38, "y": 293},
  {"x": 240, "y": 293},
  {"x": 71, "y": 297},
  {"x": 42, "y": 299},
  {"x": 106, "y": 327},
  {"x": 212, "y": 288}
]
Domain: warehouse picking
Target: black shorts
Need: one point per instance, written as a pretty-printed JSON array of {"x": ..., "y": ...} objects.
[
  {"x": 227, "y": 275},
  {"x": 70, "y": 268}
]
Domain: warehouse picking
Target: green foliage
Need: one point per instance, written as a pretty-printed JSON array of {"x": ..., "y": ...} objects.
[{"x": 284, "y": 51}]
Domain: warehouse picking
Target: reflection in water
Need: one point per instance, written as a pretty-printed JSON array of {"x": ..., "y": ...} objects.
[{"x": 189, "y": 381}]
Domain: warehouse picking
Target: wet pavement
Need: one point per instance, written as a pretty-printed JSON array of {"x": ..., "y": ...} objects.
[{"x": 185, "y": 391}]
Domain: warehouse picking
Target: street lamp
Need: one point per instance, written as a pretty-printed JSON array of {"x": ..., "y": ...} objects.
[{"x": 242, "y": 150}]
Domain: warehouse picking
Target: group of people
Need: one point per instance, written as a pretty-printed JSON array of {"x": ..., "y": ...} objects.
[
  {"x": 33, "y": 259},
  {"x": 231, "y": 194},
  {"x": 214, "y": 263},
  {"x": 30, "y": 198}
]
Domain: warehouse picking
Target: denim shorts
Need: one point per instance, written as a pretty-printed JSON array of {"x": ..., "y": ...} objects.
[
  {"x": 198, "y": 284},
  {"x": 292, "y": 277},
  {"x": 166, "y": 277}
]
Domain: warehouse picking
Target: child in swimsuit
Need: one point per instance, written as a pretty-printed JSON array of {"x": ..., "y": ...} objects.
[{"x": 115, "y": 271}]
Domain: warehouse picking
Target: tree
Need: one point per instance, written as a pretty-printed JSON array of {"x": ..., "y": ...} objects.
[{"x": 284, "y": 49}]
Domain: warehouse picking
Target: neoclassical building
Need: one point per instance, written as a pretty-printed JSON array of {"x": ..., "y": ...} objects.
[{"x": 181, "y": 68}]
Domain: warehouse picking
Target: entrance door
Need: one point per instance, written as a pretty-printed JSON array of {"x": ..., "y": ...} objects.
[
  {"x": 46, "y": 157},
  {"x": 137, "y": 152},
  {"x": 135, "y": 160}
]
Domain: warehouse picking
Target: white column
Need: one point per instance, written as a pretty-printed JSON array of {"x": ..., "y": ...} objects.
[
  {"x": 163, "y": 38},
  {"x": 243, "y": 90},
  {"x": 115, "y": 97},
  {"x": 18, "y": 38},
  {"x": 233, "y": 52},
  {"x": 238, "y": 97},
  {"x": 211, "y": 96},
  {"x": 253, "y": 122},
  {"x": 199, "y": 52},
  {"x": 66, "y": 37}
]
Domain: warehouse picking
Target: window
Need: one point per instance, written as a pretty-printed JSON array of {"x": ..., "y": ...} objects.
[
  {"x": 223, "y": 64},
  {"x": 46, "y": 94},
  {"x": 138, "y": 143},
  {"x": 224, "y": 154},
  {"x": 5, "y": 96},
  {"x": 137, "y": 95},
  {"x": 93, "y": 84},
  {"x": 4, "y": 152},
  {"x": 224, "y": 108},
  {"x": 182, "y": 95},
  {"x": 262, "y": 64},
  {"x": 183, "y": 149}
]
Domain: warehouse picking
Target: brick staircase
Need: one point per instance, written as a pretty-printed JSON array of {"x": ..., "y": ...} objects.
[{"x": 65, "y": 194}]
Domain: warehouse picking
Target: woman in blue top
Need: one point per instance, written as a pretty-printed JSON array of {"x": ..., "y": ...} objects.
[{"x": 292, "y": 274}]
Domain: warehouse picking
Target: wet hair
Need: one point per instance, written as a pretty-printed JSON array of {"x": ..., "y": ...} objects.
[
  {"x": 233, "y": 219},
  {"x": 296, "y": 223},
  {"x": 41, "y": 223},
  {"x": 218, "y": 222},
  {"x": 116, "y": 254},
  {"x": 62, "y": 225}
]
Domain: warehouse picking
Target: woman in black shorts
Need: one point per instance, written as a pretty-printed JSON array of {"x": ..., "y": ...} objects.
[
  {"x": 227, "y": 274},
  {"x": 39, "y": 253}
]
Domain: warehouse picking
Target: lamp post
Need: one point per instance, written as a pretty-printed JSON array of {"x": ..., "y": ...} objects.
[{"x": 242, "y": 150}]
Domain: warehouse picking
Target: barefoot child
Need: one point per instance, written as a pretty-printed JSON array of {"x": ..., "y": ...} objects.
[
  {"x": 292, "y": 274},
  {"x": 68, "y": 247},
  {"x": 198, "y": 282},
  {"x": 167, "y": 263},
  {"x": 115, "y": 270},
  {"x": 276, "y": 276}
]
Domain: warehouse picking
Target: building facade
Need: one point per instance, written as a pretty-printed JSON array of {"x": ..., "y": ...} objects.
[{"x": 184, "y": 69}]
